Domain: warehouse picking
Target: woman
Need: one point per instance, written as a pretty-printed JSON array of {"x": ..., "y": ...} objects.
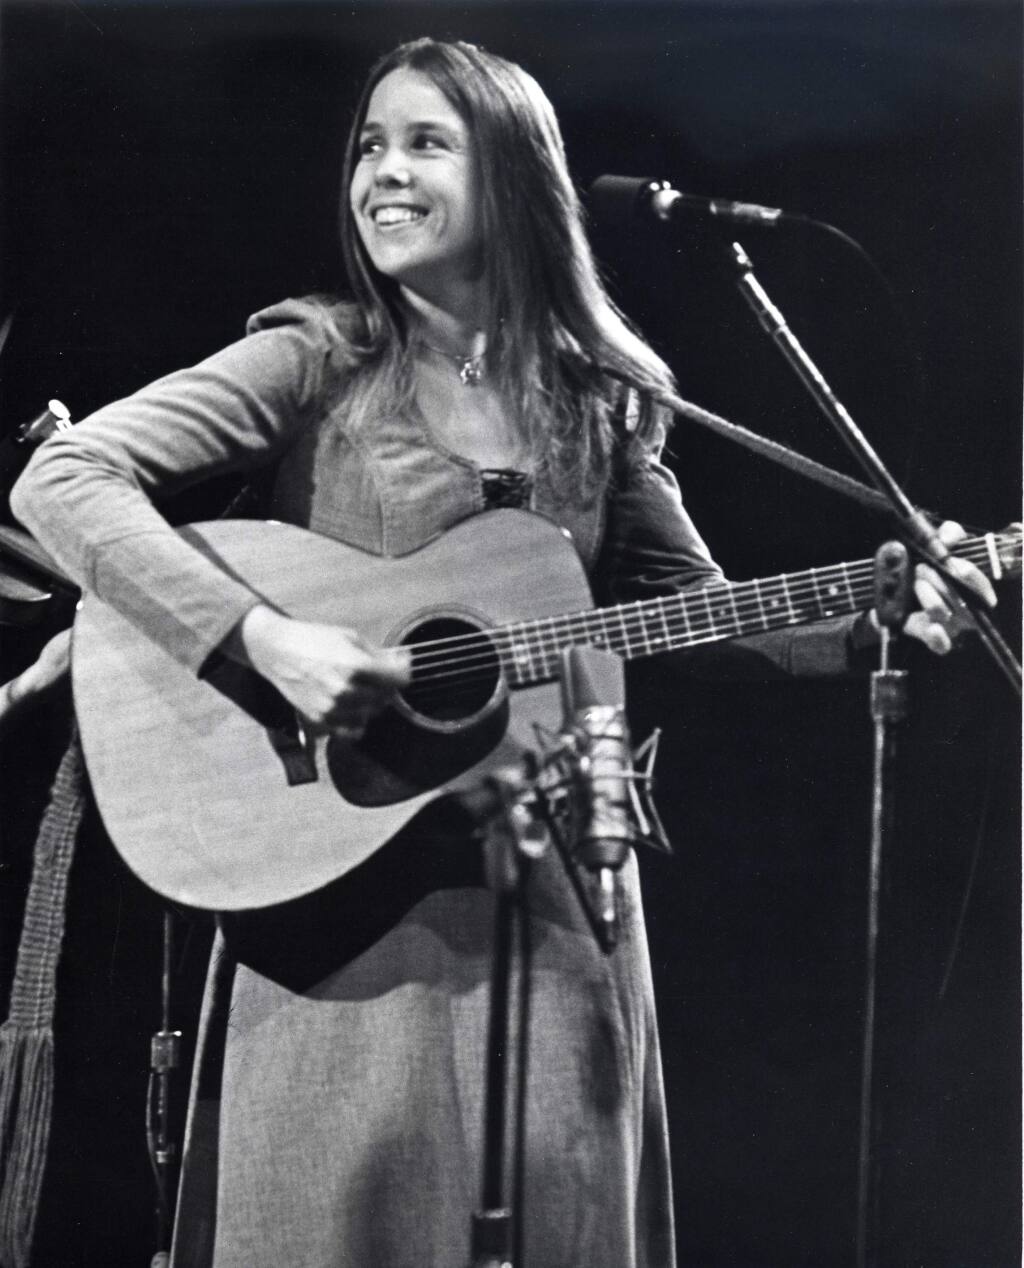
[{"x": 337, "y": 1114}]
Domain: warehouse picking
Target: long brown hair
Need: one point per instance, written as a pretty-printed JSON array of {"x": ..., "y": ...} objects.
[{"x": 557, "y": 345}]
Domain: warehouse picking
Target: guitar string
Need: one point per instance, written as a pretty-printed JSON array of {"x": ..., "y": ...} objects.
[
  {"x": 629, "y": 625},
  {"x": 734, "y": 608},
  {"x": 797, "y": 585},
  {"x": 672, "y": 610},
  {"x": 736, "y": 596},
  {"x": 461, "y": 679}
]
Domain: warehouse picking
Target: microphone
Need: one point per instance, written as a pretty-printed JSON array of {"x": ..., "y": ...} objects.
[
  {"x": 600, "y": 764},
  {"x": 615, "y": 200}
]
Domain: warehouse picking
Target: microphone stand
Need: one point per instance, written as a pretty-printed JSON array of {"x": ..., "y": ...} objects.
[
  {"x": 887, "y": 688},
  {"x": 512, "y": 842},
  {"x": 915, "y": 525},
  {"x": 582, "y": 794},
  {"x": 888, "y": 707}
]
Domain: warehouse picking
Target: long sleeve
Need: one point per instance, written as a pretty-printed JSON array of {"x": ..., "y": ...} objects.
[
  {"x": 652, "y": 548},
  {"x": 87, "y": 495}
]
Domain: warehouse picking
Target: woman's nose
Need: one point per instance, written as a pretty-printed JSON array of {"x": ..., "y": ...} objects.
[{"x": 391, "y": 167}]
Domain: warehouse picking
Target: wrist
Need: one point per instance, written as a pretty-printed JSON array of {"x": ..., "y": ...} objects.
[{"x": 251, "y": 637}]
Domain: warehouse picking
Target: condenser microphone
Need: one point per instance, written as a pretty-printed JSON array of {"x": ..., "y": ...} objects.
[
  {"x": 603, "y": 821},
  {"x": 615, "y": 200}
]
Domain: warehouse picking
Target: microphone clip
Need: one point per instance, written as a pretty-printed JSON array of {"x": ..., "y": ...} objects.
[
  {"x": 569, "y": 749},
  {"x": 641, "y": 791}
]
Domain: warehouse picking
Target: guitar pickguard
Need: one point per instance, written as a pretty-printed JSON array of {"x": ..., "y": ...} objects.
[{"x": 397, "y": 758}]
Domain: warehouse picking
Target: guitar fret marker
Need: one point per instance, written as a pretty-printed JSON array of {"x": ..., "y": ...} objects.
[{"x": 521, "y": 656}]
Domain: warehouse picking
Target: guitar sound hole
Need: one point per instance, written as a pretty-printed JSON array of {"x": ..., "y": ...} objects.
[{"x": 455, "y": 670}]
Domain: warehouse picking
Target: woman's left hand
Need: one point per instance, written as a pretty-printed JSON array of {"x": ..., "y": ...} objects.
[{"x": 942, "y": 617}]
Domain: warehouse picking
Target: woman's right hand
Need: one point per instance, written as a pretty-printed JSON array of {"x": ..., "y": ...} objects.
[{"x": 334, "y": 679}]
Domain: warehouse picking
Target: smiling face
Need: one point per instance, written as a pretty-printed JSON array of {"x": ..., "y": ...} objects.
[{"x": 413, "y": 193}]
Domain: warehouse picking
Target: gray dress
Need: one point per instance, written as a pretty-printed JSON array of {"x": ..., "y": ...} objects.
[{"x": 337, "y": 1102}]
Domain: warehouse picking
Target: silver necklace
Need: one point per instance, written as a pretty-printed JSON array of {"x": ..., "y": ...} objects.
[{"x": 471, "y": 369}]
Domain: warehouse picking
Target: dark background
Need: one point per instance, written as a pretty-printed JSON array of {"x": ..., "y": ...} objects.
[{"x": 169, "y": 168}]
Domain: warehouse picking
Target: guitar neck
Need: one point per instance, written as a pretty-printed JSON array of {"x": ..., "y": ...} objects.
[{"x": 530, "y": 651}]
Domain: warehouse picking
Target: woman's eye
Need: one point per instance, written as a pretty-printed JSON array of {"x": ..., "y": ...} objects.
[{"x": 373, "y": 147}]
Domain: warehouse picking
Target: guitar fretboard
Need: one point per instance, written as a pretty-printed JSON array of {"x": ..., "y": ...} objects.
[{"x": 529, "y": 652}]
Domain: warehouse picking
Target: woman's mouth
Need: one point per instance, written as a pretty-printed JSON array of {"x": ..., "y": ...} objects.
[{"x": 394, "y": 216}]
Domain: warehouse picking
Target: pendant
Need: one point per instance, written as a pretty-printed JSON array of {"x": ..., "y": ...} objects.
[{"x": 471, "y": 373}]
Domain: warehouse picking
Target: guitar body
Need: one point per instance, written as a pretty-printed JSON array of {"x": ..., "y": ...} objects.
[{"x": 206, "y": 787}]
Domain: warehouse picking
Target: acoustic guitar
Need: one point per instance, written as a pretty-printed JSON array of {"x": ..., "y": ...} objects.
[{"x": 216, "y": 797}]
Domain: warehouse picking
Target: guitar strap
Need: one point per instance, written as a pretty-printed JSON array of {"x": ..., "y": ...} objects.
[
  {"x": 775, "y": 452},
  {"x": 791, "y": 459},
  {"x": 26, "y": 1037}
]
